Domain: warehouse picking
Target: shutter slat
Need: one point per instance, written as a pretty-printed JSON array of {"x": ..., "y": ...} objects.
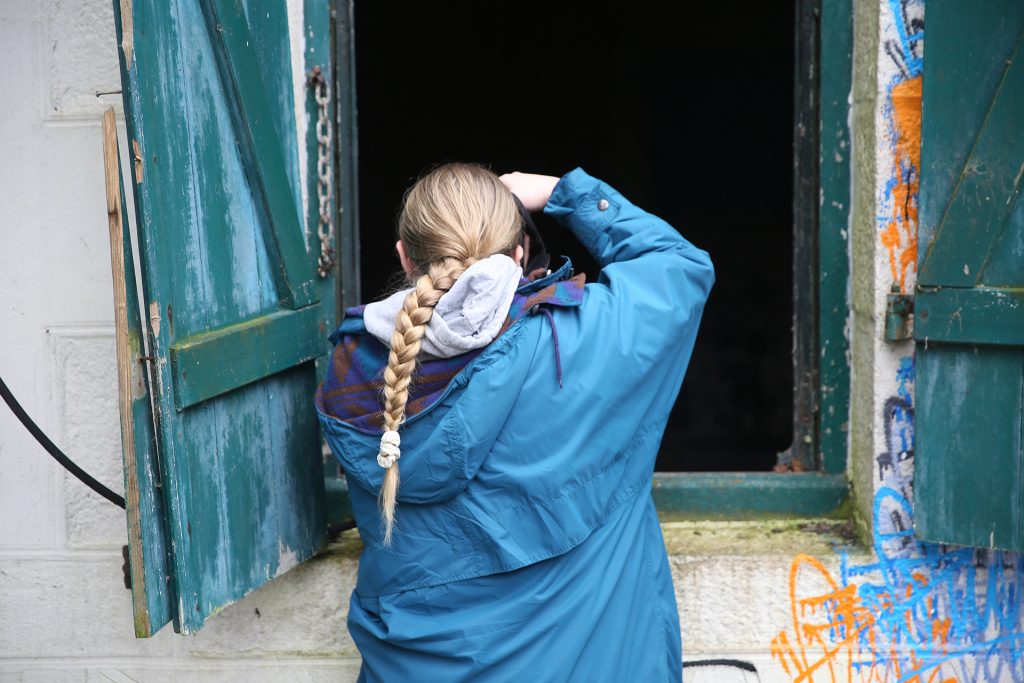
[
  {"x": 980, "y": 315},
  {"x": 985, "y": 192}
]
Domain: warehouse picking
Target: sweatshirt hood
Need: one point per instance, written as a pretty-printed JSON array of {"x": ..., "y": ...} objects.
[{"x": 467, "y": 317}]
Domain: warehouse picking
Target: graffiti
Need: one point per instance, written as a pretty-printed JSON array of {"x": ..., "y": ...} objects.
[
  {"x": 906, "y": 49},
  {"x": 918, "y": 612},
  {"x": 898, "y": 216},
  {"x": 896, "y": 463},
  {"x": 827, "y": 621},
  {"x": 921, "y": 613}
]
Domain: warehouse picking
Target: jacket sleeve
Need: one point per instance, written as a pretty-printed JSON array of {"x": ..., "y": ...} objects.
[{"x": 643, "y": 313}]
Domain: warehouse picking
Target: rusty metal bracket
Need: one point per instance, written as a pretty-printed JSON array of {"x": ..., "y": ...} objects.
[{"x": 899, "y": 315}]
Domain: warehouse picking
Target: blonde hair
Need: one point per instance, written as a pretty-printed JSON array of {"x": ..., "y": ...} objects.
[{"x": 454, "y": 216}]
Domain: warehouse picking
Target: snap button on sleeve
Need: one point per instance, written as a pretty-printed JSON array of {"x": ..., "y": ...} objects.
[{"x": 602, "y": 205}]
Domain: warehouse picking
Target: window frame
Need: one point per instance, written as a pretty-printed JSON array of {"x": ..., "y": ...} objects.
[
  {"x": 819, "y": 486},
  {"x": 823, "y": 68}
]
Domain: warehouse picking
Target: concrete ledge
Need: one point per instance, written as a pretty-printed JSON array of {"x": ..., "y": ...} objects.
[
  {"x": 173, "y": 671},
  {"x": 784, "y": 537},
  {"x": 732, "y": 584}
]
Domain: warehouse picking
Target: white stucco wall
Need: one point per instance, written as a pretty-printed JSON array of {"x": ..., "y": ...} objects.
[
  {"x": 66, "y": 614},
  {"x": 746, "y": 590}
]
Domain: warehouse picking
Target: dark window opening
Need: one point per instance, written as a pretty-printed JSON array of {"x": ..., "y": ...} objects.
[{"x": 686, "y": 109}]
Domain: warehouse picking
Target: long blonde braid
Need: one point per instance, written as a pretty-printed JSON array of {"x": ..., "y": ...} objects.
[
  {"x": 410, "y": 326},
  {"x": 451, "y": 218}
]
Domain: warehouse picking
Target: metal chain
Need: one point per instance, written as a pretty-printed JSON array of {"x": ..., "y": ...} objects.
[{"x": 325, "y": 173}]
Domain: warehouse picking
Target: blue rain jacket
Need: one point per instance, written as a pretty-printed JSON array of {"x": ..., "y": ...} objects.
[{"x": 527, "y": 546}]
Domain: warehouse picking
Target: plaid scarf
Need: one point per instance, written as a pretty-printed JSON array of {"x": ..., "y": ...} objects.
[{"x": 352, "y": 388}]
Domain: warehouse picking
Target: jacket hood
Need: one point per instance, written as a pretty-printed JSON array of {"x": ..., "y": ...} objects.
[
  {"x": 457, "y": 407},
  {"x": 443, "y": 446}
]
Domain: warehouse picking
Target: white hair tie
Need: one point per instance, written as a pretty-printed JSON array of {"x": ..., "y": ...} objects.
[{"x": 389, "y": 450}]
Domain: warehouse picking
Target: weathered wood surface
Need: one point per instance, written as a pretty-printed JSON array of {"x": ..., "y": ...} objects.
[
  {"x": 210, "y": 108},
  {"x": 147, "y": 541},
  {"x": 969, "y": 308}
]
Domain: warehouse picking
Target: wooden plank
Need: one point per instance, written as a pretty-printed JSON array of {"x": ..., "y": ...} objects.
[
  {"x": 989, "y": 181},
  {"x": 297, "y": 483},
  {"x": 348, "y": 152},
  {"x": 322, "y": 51},
  {"x": 147, "y": 546},
  {"x": 213, "y": 363},
  {"x": 805, "y": 239},
  {"x": 1005, "y": 265},
  {"x": 970, "y": 316},
  {"x": 170, "y": 201},
  {"x": 959, "y": 82},
  {"x": 274, "y": 57},
  {"x": 967, "y": 471},
  {"x": 235, "y": 52},
  {"x": 712, "y": 495},
  {"x": 319, "y": 43},
  {"x": 834, "y": 155},
  {"x": 749, "y": 495}
]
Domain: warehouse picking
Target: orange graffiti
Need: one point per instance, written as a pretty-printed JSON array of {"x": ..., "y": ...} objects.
[
  {"x": 836, "y": 638},
  {"x": 826, "y": 627},
  {"x": 900, "y": 234}
]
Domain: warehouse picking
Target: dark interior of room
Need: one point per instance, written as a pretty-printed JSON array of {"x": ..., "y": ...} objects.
[{"x": 686, "y": 108}]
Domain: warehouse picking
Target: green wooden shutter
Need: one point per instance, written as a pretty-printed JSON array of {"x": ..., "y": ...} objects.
[
  {"x": 236, "y": 312},
  {"x": 969, "y": 308}
]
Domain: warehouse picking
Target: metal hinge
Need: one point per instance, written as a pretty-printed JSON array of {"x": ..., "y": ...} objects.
[{"x": 899, "y": 315}]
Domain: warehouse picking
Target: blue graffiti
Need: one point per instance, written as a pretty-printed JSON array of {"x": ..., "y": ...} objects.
[
  {"x": 895, "y": 464},
  {"x": 907, "y": 50},
  {"x": 932, "y": 606},
  {"x": 937, "y": 606}
]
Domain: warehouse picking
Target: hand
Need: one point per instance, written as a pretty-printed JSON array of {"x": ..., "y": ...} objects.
[{"x": 532, "y": 189}]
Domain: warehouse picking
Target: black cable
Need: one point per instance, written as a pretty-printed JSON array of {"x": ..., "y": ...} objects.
[
  {"x": 733, "y": 663},
  {"x": 52, "y": 449}
]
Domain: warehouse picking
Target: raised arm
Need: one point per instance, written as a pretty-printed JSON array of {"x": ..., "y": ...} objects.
[
  {"x": 644, "y": 311},
  {"x": 614, "y": 230},
  {"x": 617, "y": 233}
]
